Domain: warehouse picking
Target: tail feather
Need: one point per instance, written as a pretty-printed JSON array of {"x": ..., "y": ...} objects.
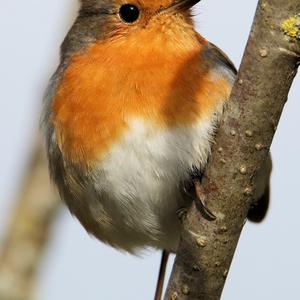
[{"x": 258, "y": 211}]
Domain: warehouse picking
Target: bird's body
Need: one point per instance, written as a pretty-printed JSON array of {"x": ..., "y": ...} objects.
[{"x": 130, "y": 115}]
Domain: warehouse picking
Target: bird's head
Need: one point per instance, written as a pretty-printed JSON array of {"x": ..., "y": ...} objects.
[
  {"x": 134, "y": 13},
  {"x": 142, "y": 22}
]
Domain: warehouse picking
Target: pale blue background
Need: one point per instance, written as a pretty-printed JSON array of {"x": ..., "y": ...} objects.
[{"x": 266, "y": 264}]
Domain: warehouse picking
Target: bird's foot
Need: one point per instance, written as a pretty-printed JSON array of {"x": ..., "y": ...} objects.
[{"x": 201, "y": 197}]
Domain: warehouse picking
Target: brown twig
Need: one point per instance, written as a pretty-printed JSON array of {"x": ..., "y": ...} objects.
[
  {"x": 269, "y": 65},
  {"x": 28, "y": 233}
]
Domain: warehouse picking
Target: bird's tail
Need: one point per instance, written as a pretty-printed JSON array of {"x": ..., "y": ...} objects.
[{"x": 259, "y": 209}]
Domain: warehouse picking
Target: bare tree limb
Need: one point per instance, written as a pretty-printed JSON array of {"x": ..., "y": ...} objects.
[
  {"x": 243, "y": 141},
  {"x": 28, "y": 233}
]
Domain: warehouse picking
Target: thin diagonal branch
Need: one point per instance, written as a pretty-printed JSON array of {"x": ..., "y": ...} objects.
[{"x": 27, "y": 236}]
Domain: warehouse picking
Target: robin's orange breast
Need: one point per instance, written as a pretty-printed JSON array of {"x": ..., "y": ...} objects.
[{"x": 110, "y": 83}]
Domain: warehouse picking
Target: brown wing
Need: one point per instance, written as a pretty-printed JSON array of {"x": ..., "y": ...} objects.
[{"x": 219, "y": 57}]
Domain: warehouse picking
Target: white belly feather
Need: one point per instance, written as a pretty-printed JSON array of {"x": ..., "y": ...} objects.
[{"x": 136, "y": 192}]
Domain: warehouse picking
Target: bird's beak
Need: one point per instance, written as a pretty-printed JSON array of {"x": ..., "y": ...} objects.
[{"x": 181, "y": 5}]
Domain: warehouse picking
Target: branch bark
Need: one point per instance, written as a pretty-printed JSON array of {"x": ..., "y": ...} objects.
[
  {"x": 27, "y": 236},
  {"x": 243, "y": 141}
]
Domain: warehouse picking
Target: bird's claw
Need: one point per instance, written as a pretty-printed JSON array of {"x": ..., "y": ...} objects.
[
  {"x": 208, "y": 214},
  {"x": 200, "y": 195},
  {"x": 195, "y": 191}
]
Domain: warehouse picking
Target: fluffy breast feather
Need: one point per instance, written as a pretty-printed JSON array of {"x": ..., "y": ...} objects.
[
  {"x": 100, "y": 90},
  {"x": 126, "y": 135},
  {"x": 135, "y": 189}
]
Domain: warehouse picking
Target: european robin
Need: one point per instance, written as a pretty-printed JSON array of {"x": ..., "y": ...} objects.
[{"x": 129, "y": 118}]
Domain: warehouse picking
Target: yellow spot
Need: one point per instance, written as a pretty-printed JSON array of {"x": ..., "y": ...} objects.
[{"x": 291, "y": 27}]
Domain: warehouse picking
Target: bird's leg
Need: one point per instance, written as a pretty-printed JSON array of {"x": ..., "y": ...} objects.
[
  {"x": 200, "y": 196},
  {"x": 161, "y": 275}
]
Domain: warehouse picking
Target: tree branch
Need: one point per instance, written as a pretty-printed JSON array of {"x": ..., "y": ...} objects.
[
  {"x": 28, "y": 233},
  {"x": 243, "y": 141}
]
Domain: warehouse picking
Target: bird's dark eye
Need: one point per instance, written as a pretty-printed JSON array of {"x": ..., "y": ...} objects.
[{"x": 129, "y": 13}]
